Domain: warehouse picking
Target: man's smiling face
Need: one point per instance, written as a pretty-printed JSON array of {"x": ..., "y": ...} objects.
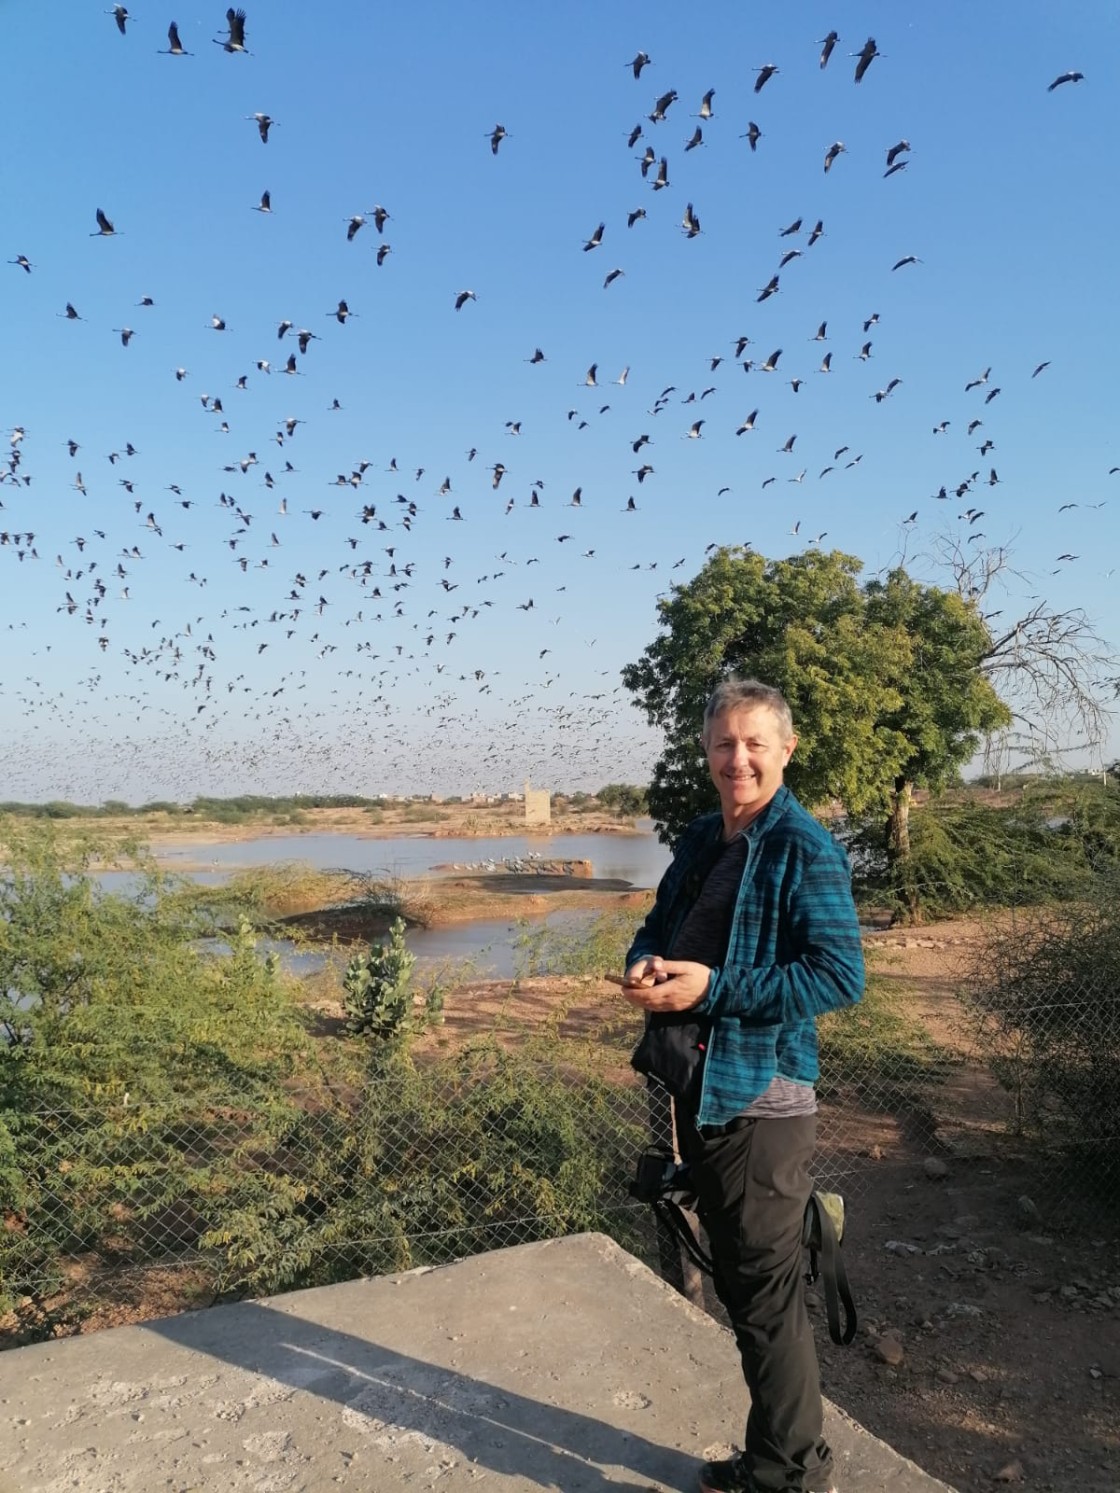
[{"x": 747, "y": 755}]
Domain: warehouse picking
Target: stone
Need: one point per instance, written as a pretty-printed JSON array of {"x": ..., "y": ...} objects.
[
  {"x": 889, "y": 1350},
  {"x": 1027, "y": 1211},
  {"x": 935, "y": 1168},
  {"x": 947, "y": 1376},
  {"x": 1010, "y": 1472}
]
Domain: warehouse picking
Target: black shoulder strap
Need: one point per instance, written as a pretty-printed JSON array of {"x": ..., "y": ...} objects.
[{"x": 826, "y": 1262}]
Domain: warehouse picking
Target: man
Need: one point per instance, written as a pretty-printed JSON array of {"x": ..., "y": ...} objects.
[{"x": 754, "y": 934}]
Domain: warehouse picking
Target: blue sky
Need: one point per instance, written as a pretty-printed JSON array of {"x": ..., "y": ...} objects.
[{"x": 1005, "y": 199}]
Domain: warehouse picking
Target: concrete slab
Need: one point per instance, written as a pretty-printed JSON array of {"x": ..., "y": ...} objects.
[{"x": 565, "y": 1365}]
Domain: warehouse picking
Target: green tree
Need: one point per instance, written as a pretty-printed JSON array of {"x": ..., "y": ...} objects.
[
  {"x": 886, "y": 681},
  {"x": 800, "y": 624},
  {"x": 624, "y": 798},
  {"x": 947, "y": 702}
]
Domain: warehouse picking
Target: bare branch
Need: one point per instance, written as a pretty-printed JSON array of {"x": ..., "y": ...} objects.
[{"x": 1053, "y": 669}]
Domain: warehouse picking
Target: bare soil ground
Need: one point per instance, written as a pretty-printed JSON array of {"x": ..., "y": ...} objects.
[
  {"x": 989, "y": 1349},
  {"x": 163, "y": 832}
]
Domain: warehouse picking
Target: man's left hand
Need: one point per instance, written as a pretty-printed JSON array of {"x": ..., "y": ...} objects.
[{"x": 687, "y": 984}]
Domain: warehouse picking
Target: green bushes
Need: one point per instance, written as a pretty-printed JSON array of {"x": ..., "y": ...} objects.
[
  {"x": 378, "y": 986},
  {"x": 428, "y": 1162},
  {"x": 137, "y": 1072},
  {"x": 966, "y": 855},
  {"x": 162, "y": 1102}
]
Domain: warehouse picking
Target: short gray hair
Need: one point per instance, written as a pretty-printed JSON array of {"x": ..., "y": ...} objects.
[{"x": 734, "y": 694}]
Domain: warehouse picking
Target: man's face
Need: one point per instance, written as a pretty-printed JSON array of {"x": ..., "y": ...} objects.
[{"x": 747, "y": 756}]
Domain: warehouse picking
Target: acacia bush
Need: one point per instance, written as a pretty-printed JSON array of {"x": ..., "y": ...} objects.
[{"x": 966, "y": 855}]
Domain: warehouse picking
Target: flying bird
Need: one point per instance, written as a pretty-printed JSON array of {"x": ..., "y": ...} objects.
[
  {"x": 265, "y": 204},
  {"x": 175, "y": 47},
  {"x": 1057, "y": 83},
  {"x": 596, "y": 238},
  {"x": 661, "y": 107},
  {"x": 463, "y": 297},
  {"x": 264, "y": 123},
  {"x": 906, "y": 259},
  {"x": 235, "y": 41},
  {"x": 105, "y": 229},
  {"x": 866, "y": 55},
  {"x": 23, "y": 263},
  {"x": 765, "y": 73},
  {"x": 612, "y": 277},
  {"x": 120, "y": 15},
  {"x": 827, "y": 45},
  {"x": 753, "y": 135},
  {"x": 835, "y": 149},
  {"x": 706, "y": 104},
  {"x": 497, "y": 135},
  {"x": 641, "y": 60},
  {"x": 896, "y": 150}
]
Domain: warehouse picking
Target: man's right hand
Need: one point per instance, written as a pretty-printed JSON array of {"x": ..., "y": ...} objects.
[{"x": 645, "y": 972}]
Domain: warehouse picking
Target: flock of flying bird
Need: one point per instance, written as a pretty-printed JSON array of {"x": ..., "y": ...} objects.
[{"x": 392, "y": 600}]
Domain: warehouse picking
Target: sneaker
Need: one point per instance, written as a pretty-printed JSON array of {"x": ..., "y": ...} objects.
[{"x": 731, "y": 1476}]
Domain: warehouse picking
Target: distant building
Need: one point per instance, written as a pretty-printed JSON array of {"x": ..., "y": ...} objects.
[{"x": 538, "y": 806}]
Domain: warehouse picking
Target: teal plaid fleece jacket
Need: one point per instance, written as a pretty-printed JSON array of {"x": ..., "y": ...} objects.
[{"x": 794, "y": 950}]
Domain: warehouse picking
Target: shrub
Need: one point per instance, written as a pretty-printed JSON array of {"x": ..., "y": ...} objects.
[
  {"x": 966, "y": 855},
  {"x": 1046, "y": 996},
  {"x": 139, "y": 1076},
  {"x": 378, "y": 987}
]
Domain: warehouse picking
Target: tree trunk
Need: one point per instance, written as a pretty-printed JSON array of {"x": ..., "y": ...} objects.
[{"x": 898, "y": 847}]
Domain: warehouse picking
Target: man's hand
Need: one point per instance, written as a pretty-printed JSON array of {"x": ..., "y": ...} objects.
[{"x": 658, "y": 984}]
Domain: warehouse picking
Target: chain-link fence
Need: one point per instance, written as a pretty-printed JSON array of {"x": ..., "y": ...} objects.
[{"x": 501, "y": 1126}]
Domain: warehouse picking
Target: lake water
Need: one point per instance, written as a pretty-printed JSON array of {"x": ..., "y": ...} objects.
[
  {"x": 639, "y": 859},
  {"x": 489, "y": 945}
]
